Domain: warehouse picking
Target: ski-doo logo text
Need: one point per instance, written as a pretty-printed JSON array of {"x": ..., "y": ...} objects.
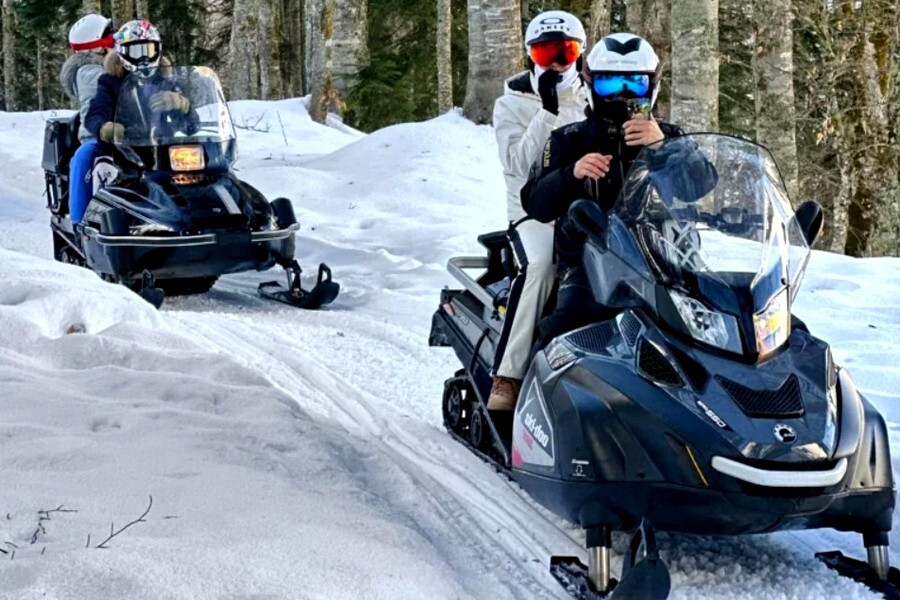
[{"x": 536, "y": 430}]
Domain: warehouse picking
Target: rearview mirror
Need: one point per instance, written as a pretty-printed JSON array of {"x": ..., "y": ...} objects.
[{"x": 810, "y": 218}]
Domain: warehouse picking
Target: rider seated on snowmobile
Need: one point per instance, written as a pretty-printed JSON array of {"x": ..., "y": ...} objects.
[
  {"x": 548, "y": 95},
  {"x": 90, "y": 38},
  {"x": 590, "y": 160},
  {"x": 138, "y": 51}
]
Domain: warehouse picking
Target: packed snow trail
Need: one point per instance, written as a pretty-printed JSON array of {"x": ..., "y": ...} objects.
[{"x": 344, "y": 458}]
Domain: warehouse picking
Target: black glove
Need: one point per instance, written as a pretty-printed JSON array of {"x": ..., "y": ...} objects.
[{"x": 547, "y": 91}]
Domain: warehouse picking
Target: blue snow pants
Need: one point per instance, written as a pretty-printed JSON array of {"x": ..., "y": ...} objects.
[{"x": 80, "y": 185}]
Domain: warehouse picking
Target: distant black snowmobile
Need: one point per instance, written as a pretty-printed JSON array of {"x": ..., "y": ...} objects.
[
  {"x": 175, "y": 216},
  {"x": 703, "y": 407}
]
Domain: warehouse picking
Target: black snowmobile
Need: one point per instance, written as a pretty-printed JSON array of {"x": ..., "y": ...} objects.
[
  {"x": 703, "y": 407},
  {"x": 173, "y": 214}
]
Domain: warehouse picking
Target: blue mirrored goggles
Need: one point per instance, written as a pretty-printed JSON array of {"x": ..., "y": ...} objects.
[{"x": 613, "y": 84}]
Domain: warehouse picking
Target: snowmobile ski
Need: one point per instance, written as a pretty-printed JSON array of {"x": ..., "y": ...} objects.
[
  {"x": 644, "y": 574},
  {"x": 148, "y": 290},
  {"x": 324, "y": 292},
  {"x": 863, "y": 573}
]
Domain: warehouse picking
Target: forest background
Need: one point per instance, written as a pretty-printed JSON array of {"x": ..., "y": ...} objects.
[{"x": 816, "y": 81}]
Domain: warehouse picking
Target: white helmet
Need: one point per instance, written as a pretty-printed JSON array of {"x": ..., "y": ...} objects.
[
  {"x": 624, "y": 53},
  {"x": 555, "y": 25},
  {"x": 91, "y": 32}
]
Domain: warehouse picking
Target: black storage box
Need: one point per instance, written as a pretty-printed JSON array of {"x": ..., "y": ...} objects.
[{"x": 60, "y": 142}]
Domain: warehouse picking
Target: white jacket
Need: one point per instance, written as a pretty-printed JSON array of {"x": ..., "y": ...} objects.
[{"x": 522, "y": 127}]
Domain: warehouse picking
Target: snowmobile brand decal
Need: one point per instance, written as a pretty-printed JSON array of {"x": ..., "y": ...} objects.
[
  {"x": 536, "y": 430},
  {"x": 712, "y": 415},
  {"x": 785, "y": 433},
  {"x": 532, "y": 433}
]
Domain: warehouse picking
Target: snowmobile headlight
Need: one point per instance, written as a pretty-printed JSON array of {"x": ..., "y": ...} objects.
[
  {"x": 559, "y": 354},
  {"x": 772, "y": 324},
  {"x": 707, "y": 326},
  {"x": 187, "y": 158}
]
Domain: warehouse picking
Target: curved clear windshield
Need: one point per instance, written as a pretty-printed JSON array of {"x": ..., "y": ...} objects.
[
  {"x": 713, "y": 206},
  {"x": 175, "y": 105}
]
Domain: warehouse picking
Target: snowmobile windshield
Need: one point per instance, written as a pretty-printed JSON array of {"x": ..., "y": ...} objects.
[
  {"x": 176, "y": 105},
  {"x": 707, "y": 219}
]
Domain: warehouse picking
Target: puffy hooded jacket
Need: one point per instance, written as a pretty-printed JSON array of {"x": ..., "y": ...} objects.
[
  {"x": 522, "y": 128},
  {"x": 79, "y": 76}
]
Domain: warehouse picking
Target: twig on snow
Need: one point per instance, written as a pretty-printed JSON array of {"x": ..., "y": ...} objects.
[
  {"x": 113, "y": 533},
  {"x": 283, "y": 133}
]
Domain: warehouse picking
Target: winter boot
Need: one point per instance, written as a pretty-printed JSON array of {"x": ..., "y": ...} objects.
[{"x": 504, "y": 393}]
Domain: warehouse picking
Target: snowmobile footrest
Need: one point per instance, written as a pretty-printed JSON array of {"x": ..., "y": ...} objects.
[
  {"x": 572, "y": 574},
  {"x": 861, "y": 572},
  {"x": 324, "y": 292}
]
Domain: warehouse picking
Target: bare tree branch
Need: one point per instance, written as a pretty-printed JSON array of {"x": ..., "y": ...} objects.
[{"x": 113, "y": 533}]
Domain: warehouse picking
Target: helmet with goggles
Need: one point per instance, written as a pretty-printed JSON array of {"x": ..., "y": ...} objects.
[
  {"x": 91, "y": 32},
  {"x": 554, "y": 36},
  {"x": 139, "y": 46},
  {"x": 622, "y": 67}
]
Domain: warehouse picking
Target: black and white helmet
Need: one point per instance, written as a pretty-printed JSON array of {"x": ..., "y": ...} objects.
[
  {"x": 626, "y": 54},
  {"x": 554, "y": 25}
]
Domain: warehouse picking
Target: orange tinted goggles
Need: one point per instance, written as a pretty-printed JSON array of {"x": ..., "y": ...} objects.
[{"x": 561, "y": 52}]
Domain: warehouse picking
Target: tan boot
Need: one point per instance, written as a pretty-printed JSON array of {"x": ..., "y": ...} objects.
[{"x": 504, "y": 393}]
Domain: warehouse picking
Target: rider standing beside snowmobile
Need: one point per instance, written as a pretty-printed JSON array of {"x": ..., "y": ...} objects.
[
  {"x": 535, "y": 102},
  {"x": 90, "y": 37},
  {"x": 590, "y": 160},
  {"x": 137, "y": 50}
]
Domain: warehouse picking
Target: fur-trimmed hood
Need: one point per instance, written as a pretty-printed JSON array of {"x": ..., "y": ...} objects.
[
  {"x": 113, "y": 65},
  {"x": 69, "y": 70}
]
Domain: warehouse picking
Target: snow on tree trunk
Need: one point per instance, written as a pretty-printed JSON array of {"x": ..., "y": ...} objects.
[
  {"x": 321, "y": 66},
  {"x": 9, "y": 56},
  {"x": 444, "y": 55},
  {"x": 495, "y": 53},
  {"x": 243, "y": 54},
  {"x": 773, "y": 71},
  {"x": 695, "y": 64},
  {"x": 349, "y": 42}
]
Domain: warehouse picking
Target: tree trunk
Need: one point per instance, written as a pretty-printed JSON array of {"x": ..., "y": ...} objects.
[
  {"x": 657, "y": 17},
  {"x": 9, "y": 56},
  {"x": 122, "y": 10},
  {"x": 90, "y": 6},
  {"x": 349, "y": 42},
  {"x": 243, "y": 54},
  {"x": 265, "y": 32},
  {"x": 39, "y": 60},
  {"x": 601, "y": 13},
  {"x": 143, "y": 9},
  {"x": 634, "y": 16},
  {"x": 773, "y": 71},
  {"x": 871, "y": 152},
  {"x": 444, "y": 57},
  {"x": 695, "y": 64},
  {"x": 495, "y": 53},
  {"x": 321, "y": 74},
  {"x": 291, "y": 54}
]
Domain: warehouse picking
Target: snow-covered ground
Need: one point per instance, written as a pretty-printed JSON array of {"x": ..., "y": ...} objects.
[{"x": 294, "y": 454}]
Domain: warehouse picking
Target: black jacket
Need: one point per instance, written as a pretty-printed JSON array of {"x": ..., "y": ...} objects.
[{"x": 552, "y": 186}]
